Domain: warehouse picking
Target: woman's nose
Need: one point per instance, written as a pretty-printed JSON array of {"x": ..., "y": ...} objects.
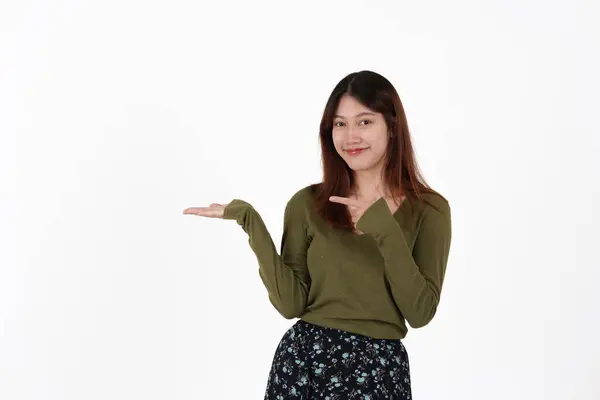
[{"x": 353, "y": 132}]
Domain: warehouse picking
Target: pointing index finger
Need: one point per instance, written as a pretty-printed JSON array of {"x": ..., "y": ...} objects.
[{"x": 344, "y": 200}]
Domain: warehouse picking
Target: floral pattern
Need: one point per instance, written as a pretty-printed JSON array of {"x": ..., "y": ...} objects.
[{"x": 315, "y": 362}]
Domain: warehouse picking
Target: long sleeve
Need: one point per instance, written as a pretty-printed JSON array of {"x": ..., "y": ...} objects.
[
  {"x": 415, "y": 277},
  {"x": 285, "y": 276}
]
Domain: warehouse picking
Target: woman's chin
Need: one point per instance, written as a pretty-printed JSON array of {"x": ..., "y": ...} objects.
[{"x": 356, "y": 166}]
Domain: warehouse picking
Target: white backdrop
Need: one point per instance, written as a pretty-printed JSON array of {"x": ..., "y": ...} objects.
[{"x": 117, "y": 115}]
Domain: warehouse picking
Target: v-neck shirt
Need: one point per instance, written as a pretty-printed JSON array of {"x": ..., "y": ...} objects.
[{"x": 372, "y": 283}]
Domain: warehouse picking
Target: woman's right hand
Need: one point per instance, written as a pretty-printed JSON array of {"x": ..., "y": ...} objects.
[{"x": 215, "y": 210}]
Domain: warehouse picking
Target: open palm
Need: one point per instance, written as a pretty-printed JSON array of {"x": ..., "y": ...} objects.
[{"x": 215, "y": 210}]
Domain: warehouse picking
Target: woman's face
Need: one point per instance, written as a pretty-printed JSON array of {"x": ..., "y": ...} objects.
[{"x": 360, "y": 135}]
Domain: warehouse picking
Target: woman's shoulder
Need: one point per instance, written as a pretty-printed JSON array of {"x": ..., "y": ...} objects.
[
  {"x": 299, "y": 205},
  {"x": 431, "y": 201},
  {"x": 304, "y": 195}
]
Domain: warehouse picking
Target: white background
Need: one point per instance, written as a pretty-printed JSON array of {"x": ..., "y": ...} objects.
[{"x": 117, "y": 115}]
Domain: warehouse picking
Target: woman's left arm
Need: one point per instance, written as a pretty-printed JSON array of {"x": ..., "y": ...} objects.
[{"x": 415, "y": 277}]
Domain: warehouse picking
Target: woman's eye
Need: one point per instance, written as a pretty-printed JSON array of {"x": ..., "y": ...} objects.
[{"x": 366, "y": 122}]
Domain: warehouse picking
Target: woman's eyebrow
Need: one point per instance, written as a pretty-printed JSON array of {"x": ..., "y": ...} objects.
[{"x": 357, "y": 115}]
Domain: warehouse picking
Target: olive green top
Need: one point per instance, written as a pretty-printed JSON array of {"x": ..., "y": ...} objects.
[{"x": 371, "y": 284}]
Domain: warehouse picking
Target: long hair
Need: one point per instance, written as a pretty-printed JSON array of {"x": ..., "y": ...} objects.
[{"x": 401, "y": 172}]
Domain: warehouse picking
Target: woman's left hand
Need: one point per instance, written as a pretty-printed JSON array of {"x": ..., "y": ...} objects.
[{"x": 358, "y": 207}]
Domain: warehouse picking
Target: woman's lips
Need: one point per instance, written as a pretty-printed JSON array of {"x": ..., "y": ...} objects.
[{"x": 355, "y": 152}]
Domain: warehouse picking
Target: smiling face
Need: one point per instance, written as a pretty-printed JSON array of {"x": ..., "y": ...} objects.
[{"x": 360, "y": 135}]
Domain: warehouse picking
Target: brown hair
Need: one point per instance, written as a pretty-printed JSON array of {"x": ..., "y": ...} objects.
[{"x": 401, "y": 172}]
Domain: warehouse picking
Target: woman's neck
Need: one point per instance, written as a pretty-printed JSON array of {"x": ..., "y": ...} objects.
[{"x": 365, "y": 184}]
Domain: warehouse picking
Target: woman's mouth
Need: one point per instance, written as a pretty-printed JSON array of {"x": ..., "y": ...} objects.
[{"x": 354, "y": 152}]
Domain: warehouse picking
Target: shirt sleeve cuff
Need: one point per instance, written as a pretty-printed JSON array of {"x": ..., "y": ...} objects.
[
  {"x": 235, "y": 209},
  {"x": 377, "y": 220}
]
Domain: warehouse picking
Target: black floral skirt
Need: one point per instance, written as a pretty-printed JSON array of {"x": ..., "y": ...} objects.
[{"x": 315, "y": 362}]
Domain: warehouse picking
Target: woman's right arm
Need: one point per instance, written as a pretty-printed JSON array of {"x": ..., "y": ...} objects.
[{"x": 285, "y": 276}]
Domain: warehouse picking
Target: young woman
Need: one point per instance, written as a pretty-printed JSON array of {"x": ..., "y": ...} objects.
[{"x": 363, "y": 253}]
